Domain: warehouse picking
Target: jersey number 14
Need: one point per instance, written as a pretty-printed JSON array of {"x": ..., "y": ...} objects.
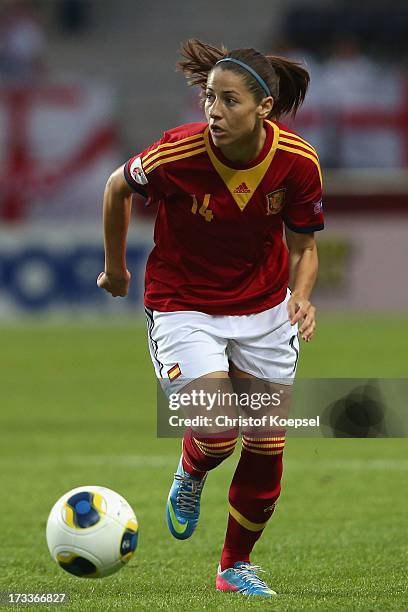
[{"x": 203, "y": 210}]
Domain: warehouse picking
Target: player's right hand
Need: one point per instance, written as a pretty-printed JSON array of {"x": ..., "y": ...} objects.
[{"x": 116, "y": 285}]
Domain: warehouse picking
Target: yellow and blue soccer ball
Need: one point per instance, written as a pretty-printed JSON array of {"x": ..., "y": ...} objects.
[{"x": 92, "y": 532}]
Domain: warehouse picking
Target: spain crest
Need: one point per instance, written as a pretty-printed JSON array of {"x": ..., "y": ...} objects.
[{"x": 275, "y": 201}]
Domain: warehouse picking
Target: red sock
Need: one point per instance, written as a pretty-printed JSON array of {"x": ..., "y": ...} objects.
[
  {"x": 203, "y": 454},
  {"x": 254, "y": 491}
]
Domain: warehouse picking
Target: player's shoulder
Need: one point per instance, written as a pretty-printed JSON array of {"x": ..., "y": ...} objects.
[
  {"x": 303, "y": 155},
  {"x": 187, "y": 131},
  {"x": 179, "y": 143},
  {"x": 292, "y": 143}
]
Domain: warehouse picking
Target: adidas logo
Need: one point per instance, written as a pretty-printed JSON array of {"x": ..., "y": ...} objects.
[{"x": 242, "y": 188}]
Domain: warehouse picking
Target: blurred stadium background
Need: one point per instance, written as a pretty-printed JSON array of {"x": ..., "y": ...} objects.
[
  {"x": 87, "y": 83},
  {"x": 84, "y": 84}
]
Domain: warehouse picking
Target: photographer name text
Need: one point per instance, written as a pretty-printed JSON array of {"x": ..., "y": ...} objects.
[{"x": 239, "y": 421}]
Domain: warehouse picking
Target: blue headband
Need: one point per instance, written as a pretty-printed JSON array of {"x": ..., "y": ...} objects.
[{"x": 250, "y": 70}]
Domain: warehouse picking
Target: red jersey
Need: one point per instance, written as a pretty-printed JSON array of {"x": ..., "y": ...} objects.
[{"x": 219, "y": 229}]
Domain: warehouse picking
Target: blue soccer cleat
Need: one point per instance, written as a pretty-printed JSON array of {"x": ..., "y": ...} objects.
[
  {"x": 242, "y": 579},
  {"x": 183, "y": 503}
]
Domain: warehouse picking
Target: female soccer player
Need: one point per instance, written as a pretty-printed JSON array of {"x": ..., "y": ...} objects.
[{"x": 216, "y": 287}]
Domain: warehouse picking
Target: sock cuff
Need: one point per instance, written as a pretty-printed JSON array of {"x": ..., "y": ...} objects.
[
  {"x": 271, "y": 445},
  {"x": 216, "y": 448}
]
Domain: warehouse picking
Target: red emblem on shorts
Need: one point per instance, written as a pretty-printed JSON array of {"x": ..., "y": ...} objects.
[{"x": 174, "y": 372}]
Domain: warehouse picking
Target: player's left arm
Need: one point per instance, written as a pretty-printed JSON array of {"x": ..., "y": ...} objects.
[
  {"x": 303, "y": 266},
  {"x": 303, "y": 216}
]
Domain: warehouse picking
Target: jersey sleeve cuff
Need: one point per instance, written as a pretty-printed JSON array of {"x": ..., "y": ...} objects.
[{"x": 305, "y": 229}]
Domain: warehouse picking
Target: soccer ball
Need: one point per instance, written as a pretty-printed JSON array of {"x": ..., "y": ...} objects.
[{"x": 92, "y": 532}]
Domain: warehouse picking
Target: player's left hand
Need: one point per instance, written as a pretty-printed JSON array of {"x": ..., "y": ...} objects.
[
  {"x": 300, "y": 309},
  {"x": 118, "y": 285}
]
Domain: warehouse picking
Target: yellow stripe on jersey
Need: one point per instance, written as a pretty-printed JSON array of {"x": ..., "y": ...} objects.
[
  {"x": 248, "y": 178},
  {"x": 173, "y": 146},
  {"x": 159, "y": 162},
  {"x": 303, "y": 145},
  {"x": 292, "y": 135},
  {"x": 304, "y": 154},
  {"x": 162, "y": 153}
]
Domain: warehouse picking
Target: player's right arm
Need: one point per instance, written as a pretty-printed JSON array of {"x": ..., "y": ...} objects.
[
  {"x": 117, "y": 204},
  {"x": 126, "y": 180}
]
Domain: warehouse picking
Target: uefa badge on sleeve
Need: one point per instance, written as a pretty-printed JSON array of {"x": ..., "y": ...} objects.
[
  {"x": 318, "y": 207},
  {"x": 137, "y": 172}
]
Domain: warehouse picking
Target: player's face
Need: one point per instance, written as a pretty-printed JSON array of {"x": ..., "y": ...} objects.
[{"x": 234, "y": 116}]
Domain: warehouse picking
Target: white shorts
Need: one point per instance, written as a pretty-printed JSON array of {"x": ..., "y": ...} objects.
[{"x": 185, "y": 345}]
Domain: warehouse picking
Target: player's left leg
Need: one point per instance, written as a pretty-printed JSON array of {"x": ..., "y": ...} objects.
[
  {"x": 253, "y": 493},
  {"x": 256, "y": 484}
]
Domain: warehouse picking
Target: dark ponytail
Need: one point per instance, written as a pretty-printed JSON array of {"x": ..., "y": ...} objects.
[
  {"x": 293, "y": 85},
  {"x": 287, "y": 81}
]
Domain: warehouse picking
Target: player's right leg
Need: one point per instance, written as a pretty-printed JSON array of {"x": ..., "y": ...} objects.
[
  {"x": 183, "y": 503},
  {"x": 202, "y": 451},
  {"x": 189, "y": 355}
]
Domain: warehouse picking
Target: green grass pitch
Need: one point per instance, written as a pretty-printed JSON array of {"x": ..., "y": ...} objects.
[{"x": 78, "y": 407}]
